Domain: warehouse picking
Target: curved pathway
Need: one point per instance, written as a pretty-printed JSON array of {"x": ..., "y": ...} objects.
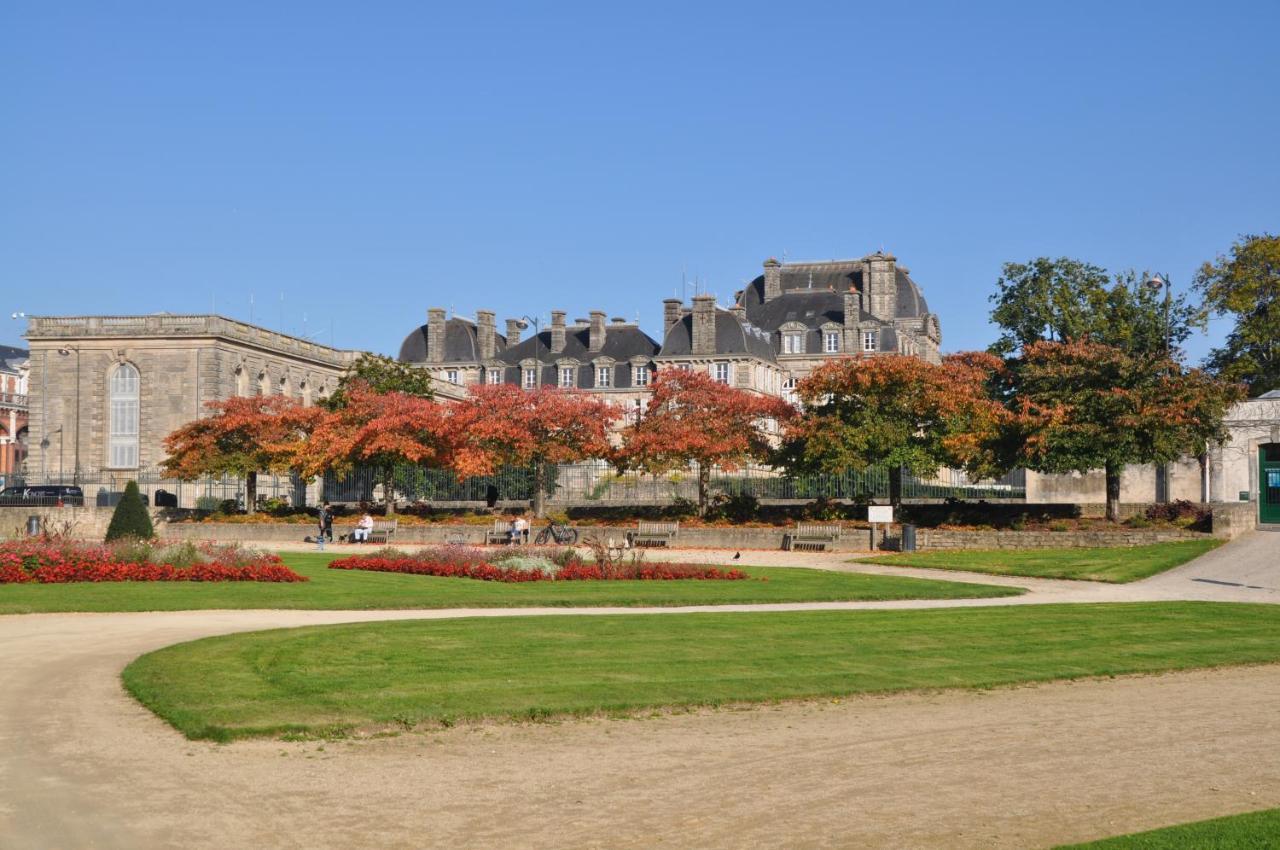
[{"x": 82, "y": 765}]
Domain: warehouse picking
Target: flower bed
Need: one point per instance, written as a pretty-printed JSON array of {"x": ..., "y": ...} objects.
[
  {"x": 63, "y": 562},
  {"x": 528, "y": 565}
]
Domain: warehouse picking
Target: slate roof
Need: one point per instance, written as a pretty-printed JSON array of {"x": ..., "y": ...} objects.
[
  {"x": 732, "y": 337},
  {"x": 823, "y": 289},
  {"x": 460, "y": 343},
  {"x": 621, "y": 344}
]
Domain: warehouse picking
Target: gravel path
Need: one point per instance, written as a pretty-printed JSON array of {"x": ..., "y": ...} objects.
[{"x": 82, "y": 765}]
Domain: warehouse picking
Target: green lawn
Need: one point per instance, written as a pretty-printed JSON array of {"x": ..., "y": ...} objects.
[
  {"x": 352, "y": 589},
  {"x": 331, "y": 678},
  {"x": 1116, "y": 565},
  {"x": 1254, "y": 831}
]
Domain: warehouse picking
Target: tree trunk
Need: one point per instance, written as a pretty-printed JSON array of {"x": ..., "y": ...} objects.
[
  {"x": 251, "y": 493},
  {"x": 704, "y": 487},
  {"x": 895, "y": 487},
  {"x": 1113, "y": 471},
  {"x": 539, "y": 490},
  {"x": 388, "y": 489}
]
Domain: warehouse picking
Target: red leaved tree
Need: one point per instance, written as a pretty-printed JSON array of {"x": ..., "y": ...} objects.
[
  {"x": 900, "y": 412},
  {"x": 382, "y": 430},
  {"x": 693, "y": 418},
  {"x": 241, "y": 436},
  {"x": 507, "y": 426}
]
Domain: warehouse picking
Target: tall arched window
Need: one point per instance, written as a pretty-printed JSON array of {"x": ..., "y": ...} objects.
[{"x": 122, "y": 438}]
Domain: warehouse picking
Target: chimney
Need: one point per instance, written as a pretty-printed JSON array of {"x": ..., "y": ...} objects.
[
  {"x": 881, "y": 287},
  {"x": 704, "y": 324},
  {"x": 435, "y": 335},
  {"x": 486, "y": 334},
  {"x": 596, "y": 335},
  {"x": 852, "y": 313},
  {"x": 557, "y": 331},
  {"x": 772, "y": 279},
  {"x": 739, "y": 312},
  {"x": 513, "y": 331},
  {"x": 670, "y": 314}
]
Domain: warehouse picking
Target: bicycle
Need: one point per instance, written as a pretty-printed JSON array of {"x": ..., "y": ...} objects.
[{"x": 561, "y": 534}]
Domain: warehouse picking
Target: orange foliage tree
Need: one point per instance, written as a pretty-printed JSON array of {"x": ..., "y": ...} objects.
[
  {"x": 507, "y": 426},
  {"x": 241, "y": 436},
  {"x": 693, "y": 418},
  {"x": 383, "y": 430},
  {"x": 900, "y": 412},
  {"x": 1083, "y": 405}
]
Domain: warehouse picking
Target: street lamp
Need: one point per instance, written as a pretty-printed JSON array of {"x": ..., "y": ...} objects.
[{"x": 1155, "y": 283}]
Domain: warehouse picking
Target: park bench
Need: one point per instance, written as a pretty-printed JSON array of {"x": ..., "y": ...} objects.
[
  {"x": 500, "y": 533},
  {"x": 654, "y": 533},
  {"x": 811, "y": 536},
  {"x": 383, "y": 530}
]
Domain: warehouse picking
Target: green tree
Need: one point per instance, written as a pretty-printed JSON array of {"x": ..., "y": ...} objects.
[
  {"x": 1246, "y": 286},
  {"x": 381, "y": 375},
  {"x": 1065, "y": 300},
  {"x": 130, "y": 518}
]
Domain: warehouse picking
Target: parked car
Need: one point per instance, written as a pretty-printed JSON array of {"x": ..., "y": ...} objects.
[{"x": 48, "y": 495}]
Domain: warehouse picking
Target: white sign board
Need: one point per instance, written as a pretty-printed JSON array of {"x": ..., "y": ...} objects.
[{"x": 880, "y": 513}]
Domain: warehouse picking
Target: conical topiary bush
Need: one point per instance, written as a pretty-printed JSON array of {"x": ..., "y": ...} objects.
[{"x": 130, "y": 518}]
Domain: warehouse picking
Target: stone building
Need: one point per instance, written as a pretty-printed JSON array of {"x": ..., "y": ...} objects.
[
  {"x": 106, "y": 390},
  {"x": 722, "y": 342},
  {"x": 14, "y": 366},
  {"x": 1246, "y": 467}
]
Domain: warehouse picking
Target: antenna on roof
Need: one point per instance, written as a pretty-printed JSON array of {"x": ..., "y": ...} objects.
[{"x": 811, "y": 278}]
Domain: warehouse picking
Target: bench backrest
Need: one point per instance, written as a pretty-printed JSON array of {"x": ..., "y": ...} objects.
[
  {"x": 645, "y": 527},
  {"x": 501, "y": 526},
  {"x": 385, "y": 524},
  {"x": 817, "y": 529}
]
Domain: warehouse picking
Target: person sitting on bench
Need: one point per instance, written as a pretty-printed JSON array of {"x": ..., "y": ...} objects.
[{"x": 362, "y": 529}]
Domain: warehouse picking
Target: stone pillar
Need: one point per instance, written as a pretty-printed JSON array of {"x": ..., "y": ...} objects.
[
  {"x": 772, "y": 279},
  {"x": 486, "y": 334},
  {"x": 435, "y": 335},
  {"x": 704, "y": 324},
  {"x": 671, "y": 309},
  {"x": 557, "y": 331},
  {"x": 513, "y": 332},
  {"x": 881, "y": 285},
  {"x": 595, "y": 336}
]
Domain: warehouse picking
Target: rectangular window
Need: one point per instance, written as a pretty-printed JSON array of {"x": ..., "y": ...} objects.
[
  {"x": 685, "y": 367},
  {"x": 869, "y": 340},
  {"x": 640, "y": 376},
  {"x": 604, "y": 376},
  {"x": 793, "y": 342},
  {"x": 495, "y": 376},
  {"x": 451, "y": 376},
  {"x": 722, "y": 373},
  {"x": 530, "y": 378},
  {"x": 568, "y": 376},
  {"x": 831, "y": 342}
]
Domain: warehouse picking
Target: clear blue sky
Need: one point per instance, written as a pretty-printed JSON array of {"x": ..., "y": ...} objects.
[{"x": 369, "y": 160}]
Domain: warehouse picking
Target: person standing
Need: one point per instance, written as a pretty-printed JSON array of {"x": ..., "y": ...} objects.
[
  {"x": 326, "y": 516},
  {"x": 321, "y": 519}
]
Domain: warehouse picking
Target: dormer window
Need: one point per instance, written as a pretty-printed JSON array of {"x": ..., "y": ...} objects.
[
  {"x": 831, "y": 342},
  {"x": 568, "y": 377},
  {"x": 793, "y": 342},
  {"x": 640, "y": 376},
  {"x": 495, "y": 376},
  {"x": 530, "y": 378}
]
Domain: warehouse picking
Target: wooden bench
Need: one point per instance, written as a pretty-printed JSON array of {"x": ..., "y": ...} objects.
[
  {"x": 654, "y": 533},
  {"x": 811, "y": 536},
  {"x": 383, "y": 530},
  {"x": 501, "y": 532}
]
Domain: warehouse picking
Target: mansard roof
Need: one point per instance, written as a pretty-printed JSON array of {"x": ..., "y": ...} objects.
[
  {"x": 460, "y": 343},
  {"x": 732, "y": 337},
  {"x": 621, "y": 342},
  {"x": 825, "y": 284}
]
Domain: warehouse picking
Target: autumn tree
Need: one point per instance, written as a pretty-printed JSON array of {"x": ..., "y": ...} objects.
[
  {"x": 507, "y": 426},
  {"x": 1083, "y": 405},
  {"x": 1064, "y": 300},
  {"x": 379, "y": 429},
  {"x": 241, "y": 436},
  {"x": 1246, "y": 286},
  {"x": 694, "y": 419},
  {"x": 899, "y": 412}
]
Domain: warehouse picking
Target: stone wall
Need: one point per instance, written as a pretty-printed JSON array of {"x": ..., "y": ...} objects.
[{"x": 928, "y": 539}]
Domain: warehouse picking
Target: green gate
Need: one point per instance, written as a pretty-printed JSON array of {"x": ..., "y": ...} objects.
[{"x": 1269, "y": 483}]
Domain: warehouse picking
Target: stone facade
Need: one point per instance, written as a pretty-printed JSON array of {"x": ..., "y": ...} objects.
[
  {"x": 181, "y": 363},
  {"x": 14, "y": 368}
]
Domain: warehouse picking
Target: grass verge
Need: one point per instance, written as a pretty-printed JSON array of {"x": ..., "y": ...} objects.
[
  {"x": 1116, "y": 565},
  {"x": 353, "y": 589},
  {"x": 320, "y": 679},
  {"x": 1253, "y": 831}
]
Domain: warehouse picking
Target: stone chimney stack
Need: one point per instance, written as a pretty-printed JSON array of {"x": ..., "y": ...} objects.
[
  {"x": 671, "y": 310},
  {"x": 852, "y": 312},
  {"x": 739, "y": 312},
  {"x": 881, "y": 286},
  {"x": 557, "y": 331},
  {"x": 704, "y": 324},
  {"x": 513, "y": 331},
  {"x": 486, "y": 334},
  {"x": 772, "y": 279},
  {"x": 595, "y": 338},
  {"x": 435, "y": 335}
]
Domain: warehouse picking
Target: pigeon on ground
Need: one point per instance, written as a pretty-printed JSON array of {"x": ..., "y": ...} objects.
[{"x": 737, "y": 555}]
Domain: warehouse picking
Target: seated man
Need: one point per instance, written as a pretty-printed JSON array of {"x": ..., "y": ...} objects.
[{"x": 362, "y": 530}]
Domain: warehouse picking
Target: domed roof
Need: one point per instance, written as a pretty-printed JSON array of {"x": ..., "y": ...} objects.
[
  {"x": 460, "y": 343},
  {"x": 732, "y": 337}
]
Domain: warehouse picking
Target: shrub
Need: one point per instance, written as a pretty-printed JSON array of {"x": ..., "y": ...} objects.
[
  {"x": 1138, "y": 521},
  {"x": 208, "y": 504},
  {"x": 130, "y": 518},
  {"x": 740, "y": 508},
  {"x": 1182, "y": 513}
]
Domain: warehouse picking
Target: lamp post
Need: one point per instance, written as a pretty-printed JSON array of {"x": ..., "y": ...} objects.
[{"x": 1155, "y": 283}]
